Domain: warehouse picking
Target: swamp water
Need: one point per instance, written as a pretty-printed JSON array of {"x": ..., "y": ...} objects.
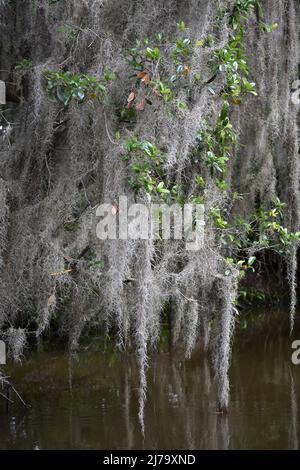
[{"x": 94, "y": 403}]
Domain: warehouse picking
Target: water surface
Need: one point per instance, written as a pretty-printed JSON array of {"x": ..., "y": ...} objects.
[{"x": 92, "y": 404}]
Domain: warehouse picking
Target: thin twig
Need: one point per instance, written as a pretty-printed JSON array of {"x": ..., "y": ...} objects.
[
  {"x": 107, "y": 131},
  {"x": 6, "y": 398},
  {"x": 6, "y": 382},
  {"x": 18, "y": 395}
]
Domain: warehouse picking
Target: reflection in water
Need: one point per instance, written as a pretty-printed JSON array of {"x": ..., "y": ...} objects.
[
  {"x": 294, "y": 412},
  {"x": 92, "y": 402}
]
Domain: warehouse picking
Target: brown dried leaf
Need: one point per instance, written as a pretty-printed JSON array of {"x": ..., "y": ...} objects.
[
  {"x": 144, "y": 77},
  {"x": 141, "y": 105},
  {"x": 131, "y": 99},
  {"x": 187, "y": 70},
  {"x": 51, "y": 301}
]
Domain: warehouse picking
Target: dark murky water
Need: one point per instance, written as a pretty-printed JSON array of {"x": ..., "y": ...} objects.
[{"x": 94, "y": 406}]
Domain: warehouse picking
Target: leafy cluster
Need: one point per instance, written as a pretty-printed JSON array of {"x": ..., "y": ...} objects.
[
  {"x": 23, "y": 65},
  {"x": 147, "y": 168},
  {"x": 250, "y": 296},
  {"x": 241, "y": 11},
  {"x": 232, "y": 61},
  {"x": 64, "y": 86},
  {"x": 161, "y": 66},
  {"x": 262, "y": 230},
  {"x": 217, "y": 142}
]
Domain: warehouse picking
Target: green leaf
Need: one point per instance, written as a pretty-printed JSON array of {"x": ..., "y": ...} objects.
[
  {"x": 251, "y": 260},
  {"x": 182, "y": 26},
  {"x": 110, "y": 76},
  {"x": 61, "y": 95}
]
